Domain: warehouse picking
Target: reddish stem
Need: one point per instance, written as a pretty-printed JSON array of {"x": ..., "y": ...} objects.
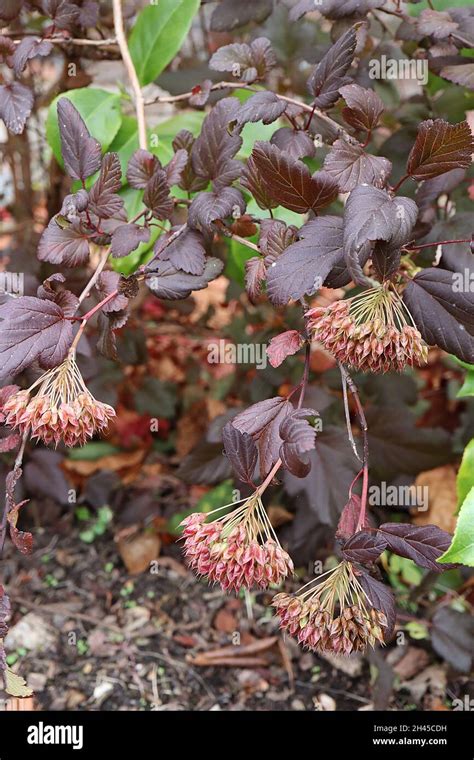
[
  {"x": 400, "y": 182},
  {"x": 440, "y": 242}
]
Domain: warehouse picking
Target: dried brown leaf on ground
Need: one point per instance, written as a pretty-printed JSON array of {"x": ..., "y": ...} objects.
[{"x": 442, "y": 498}]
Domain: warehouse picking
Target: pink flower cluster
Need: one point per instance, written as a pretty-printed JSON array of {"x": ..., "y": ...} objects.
[
  {"x": 373, "y": 345},
  {"x": 233, "y": 557},
  {"x": 60, "y": 412}
]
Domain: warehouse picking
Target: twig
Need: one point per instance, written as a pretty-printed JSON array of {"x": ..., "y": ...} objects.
[
  {"x": 132, "y": 74},
  {"x": 347, "y": 412},
  {"x": 82, "y": 42},
  {"x": 242, "y": 86},
  {"x": 364, "y": 428},
  {"x": 95, "y": 276}
]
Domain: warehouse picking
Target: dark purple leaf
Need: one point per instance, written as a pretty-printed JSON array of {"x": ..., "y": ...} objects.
[
  {"x": 365, "y": 547},
  {"x": 245, "y": 62},
  {"x": 333, "y": 467},
  {"x": 255, "y": 274},
  {"x": 275, "y": 236},
  {"x": 381, "y": 598},
  {"x": 436, "y": 24},
  {"x": 364, "y": 107},
  {"x": 443, "y": 315},
  {"x": 175, "y": 167},
  {"x": 398, "y": 445},
  {"x": 241, "y": 452},
  {"x": 422, "y": 544},
  {"x": 16, "y": 102},
  {"x": 206, "y": 208},
  {"x": 298, "y": 437},
  {"x": 263, "y": 106},
  {"x": 32, "y": 329},
  {"x": 229, "y": 15},
  {"x": 64, "y": 14},
  {"x": 189, "y": 181},
  {"x": 81, "y": 153},
  {"x": 73, "y": 204},
  {"x": 350, "y": 165},
  {"x": 107, "y": 283},
  {"x": 462, "y": 74},
  {"x": 126, "y": 238},
  {"x": 103, "y": 198},
  {"x": 349, "y": 519},
  {"x": 205, "y": 464},
  {"x": 304, "y": 265},
  {"x": 28, "y": 48},
  {"x": 371, "y": 215},
  {"x": 296, "y": 143},
  {"x": 141, "y": 168},
  {"x": 290, "y": 183},
  {"x": 170, "y": 283},
  {"x": 253, "y": 181},
  {"x": 53, "y": 290},
  {"x": 330, "y": 73},
  {"x": 157, "y": 196},
  {"x": 262, "y": 421},
  {"x": 186, "y": 252},
  {"x": 65, "y": 244},
  {"x": 284, "y": 345},
  {"x": 213, "y": 151},
  {"x": 440, "y": 147},
  {"x": 88, "y": 14}
]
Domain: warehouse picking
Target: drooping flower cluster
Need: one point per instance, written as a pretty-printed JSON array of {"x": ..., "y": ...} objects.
[
  {"x": 371, "y": 332},
  {"x": 333, "y": 616},
  {"x": 237, "y": 550},
  {"x": 62, "y": 409}
]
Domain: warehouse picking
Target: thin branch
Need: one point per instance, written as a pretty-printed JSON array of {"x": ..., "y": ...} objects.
[
  {"x": 132, "y": 74},
  {"x": 95, "y": 276},
  {"x": 364, "y": 428},
  {"x": 82, "y": 42},
  {"x": 347, "y": 412},
  {"x": 410, "y": 247},
  {"x": 310, "y": 109}
]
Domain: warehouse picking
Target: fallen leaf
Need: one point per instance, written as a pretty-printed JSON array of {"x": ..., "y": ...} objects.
[
  {"x": 413, "y": 662},
  {"x": 440, "y": 485},
  {"x": 138, "y": 552}
]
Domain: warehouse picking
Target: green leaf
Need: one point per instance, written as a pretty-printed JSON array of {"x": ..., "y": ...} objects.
[
  {"x": 158, "y": 34},
  {"x": 417, "y": 630},
  {"x": 125, "y": 142},
  {"x": 465, "y": 479},
  {"x": 467, "y": 388},
  {"x": 92, "y": 451},
  {"x": 235, "y": 264},
  {"x": 441, "y": 5},
  {"x": 462, "y": 546},
  {"x": 100, "y": 111}
]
